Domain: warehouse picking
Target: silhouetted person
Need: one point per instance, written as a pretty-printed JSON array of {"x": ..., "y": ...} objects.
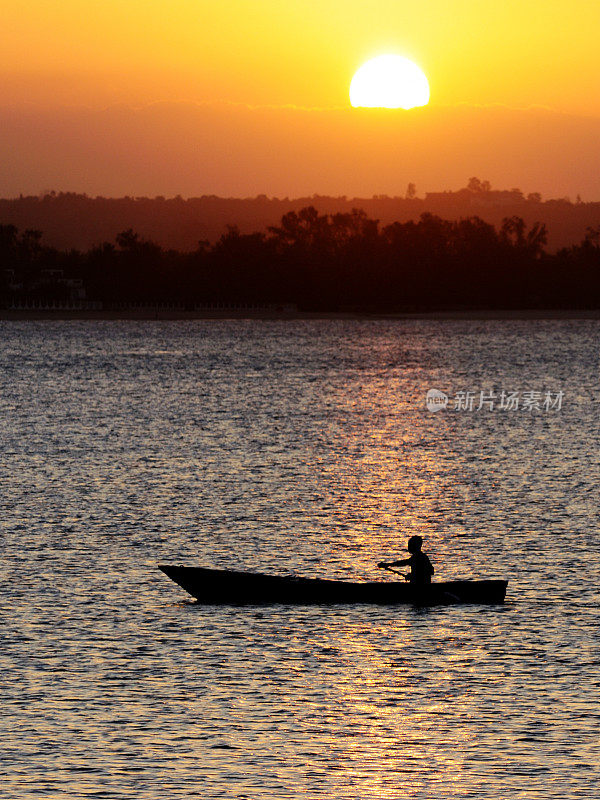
[{"x": 420, "y": 565}]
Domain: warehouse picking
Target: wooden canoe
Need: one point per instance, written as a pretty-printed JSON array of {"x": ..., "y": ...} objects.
[{"x": 228, "y": 587}]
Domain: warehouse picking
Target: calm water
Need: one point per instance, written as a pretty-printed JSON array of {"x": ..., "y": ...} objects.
[{"x": 299, "y": 447}]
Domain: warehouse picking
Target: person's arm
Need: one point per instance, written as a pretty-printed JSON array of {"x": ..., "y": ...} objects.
[{"x": 401, "y": 563}]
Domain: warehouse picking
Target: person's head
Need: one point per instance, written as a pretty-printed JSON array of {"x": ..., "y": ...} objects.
[{"x": 415, "y": 543}]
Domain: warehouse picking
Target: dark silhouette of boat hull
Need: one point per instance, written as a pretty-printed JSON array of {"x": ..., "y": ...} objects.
[{"x": 227, "y": 587}]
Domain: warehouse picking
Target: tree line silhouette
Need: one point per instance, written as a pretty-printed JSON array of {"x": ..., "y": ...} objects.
[
  {"x": 316, "y": 261},
  {"x": 177, "y": 222}
]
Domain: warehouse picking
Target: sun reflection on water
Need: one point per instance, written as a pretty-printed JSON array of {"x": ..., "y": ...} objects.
[{"x": 300, "y": 447}]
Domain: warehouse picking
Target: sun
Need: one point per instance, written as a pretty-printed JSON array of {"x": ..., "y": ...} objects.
[{"x": 389, "y": 81}]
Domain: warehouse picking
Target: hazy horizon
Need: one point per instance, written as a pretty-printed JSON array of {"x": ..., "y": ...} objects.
[{"x": 236, "y": 150}]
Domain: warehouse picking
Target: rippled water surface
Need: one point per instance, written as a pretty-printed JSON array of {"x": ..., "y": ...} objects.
[{"x": 301, "y": 447}]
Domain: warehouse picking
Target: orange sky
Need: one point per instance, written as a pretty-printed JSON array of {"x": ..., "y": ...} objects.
[{"x": 96, "y": 53}]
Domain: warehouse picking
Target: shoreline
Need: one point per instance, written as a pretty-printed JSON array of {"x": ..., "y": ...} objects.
[{"x": 178, "y": 316}]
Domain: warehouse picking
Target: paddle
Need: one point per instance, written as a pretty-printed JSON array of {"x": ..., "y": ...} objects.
[{"x": 383, "y": 565}]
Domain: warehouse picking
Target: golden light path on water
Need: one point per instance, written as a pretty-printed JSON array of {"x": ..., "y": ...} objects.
[{"x": 304, "y": 448}]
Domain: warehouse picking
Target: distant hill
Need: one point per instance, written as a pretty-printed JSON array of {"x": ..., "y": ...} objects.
[{"x": 70, "y": 220}]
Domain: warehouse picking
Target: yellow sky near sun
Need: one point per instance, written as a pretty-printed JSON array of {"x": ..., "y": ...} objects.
[{"x": 299, "y": 52}]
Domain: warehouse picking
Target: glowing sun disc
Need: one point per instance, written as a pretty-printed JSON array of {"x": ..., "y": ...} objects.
[{"x": 389, "y": 82}]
